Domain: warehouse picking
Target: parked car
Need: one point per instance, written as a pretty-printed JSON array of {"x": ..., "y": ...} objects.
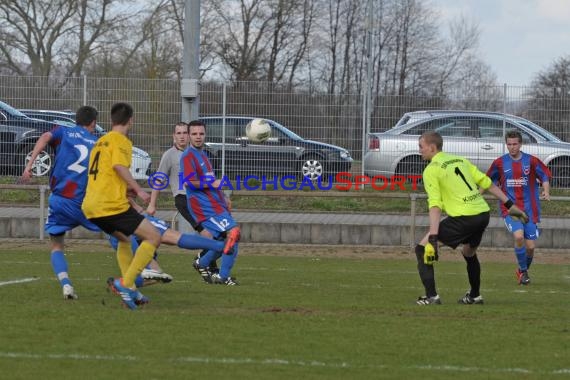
[
  {"x": 475, "y": 135},
  {"x": 18, "y": 134},
  {"x": 284, "y": 153},
  {"x": 141, "y": 160}
]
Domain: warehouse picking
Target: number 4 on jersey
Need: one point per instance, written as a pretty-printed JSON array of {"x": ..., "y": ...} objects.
[{"x": 94, "y": 169}]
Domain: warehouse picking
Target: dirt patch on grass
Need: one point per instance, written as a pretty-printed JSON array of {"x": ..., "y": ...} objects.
[{"x": 546, "y": 256}]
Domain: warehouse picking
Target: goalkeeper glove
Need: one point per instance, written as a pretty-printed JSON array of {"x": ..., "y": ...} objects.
[
  {"x": 430, "y": 250},
  {"x": 516, "y": 212}
]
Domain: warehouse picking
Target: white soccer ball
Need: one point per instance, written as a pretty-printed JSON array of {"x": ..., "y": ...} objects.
[{"x": 258, "y": 130}]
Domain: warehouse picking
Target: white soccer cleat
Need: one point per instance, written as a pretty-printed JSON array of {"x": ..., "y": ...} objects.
[
  {"x": 69, "y": 292},
  {"x": 151, "y": 274}
]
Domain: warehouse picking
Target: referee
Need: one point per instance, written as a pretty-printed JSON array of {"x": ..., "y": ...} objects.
[{"x": 452, "y": 185}]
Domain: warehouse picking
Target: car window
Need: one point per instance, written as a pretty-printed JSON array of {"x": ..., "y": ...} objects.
[
  {"x": 449, "y": 126},
  {"x": 214, "y": 130},
  {"x": 493, "y": 128},
  {"x": 460, "y": 127}
]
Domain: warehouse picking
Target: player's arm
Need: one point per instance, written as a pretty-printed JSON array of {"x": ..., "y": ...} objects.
[
  {"x": 126, "y": 175},
  {"x": 545, "y": 191},
  {"x": 544, "y": 175},
  {"x": 40, "y": 145}
]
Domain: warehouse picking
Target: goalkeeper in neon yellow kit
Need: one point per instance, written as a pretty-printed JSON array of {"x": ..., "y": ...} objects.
[{"x": 452, "y": 184}]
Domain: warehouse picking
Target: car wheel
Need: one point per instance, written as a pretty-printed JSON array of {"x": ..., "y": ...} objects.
[
  {"x": 560, "y": 170},
  {"x": 42, "y": 164},
  {"x": 413, "y": 165},
  {"x": 312, "y": 167}
]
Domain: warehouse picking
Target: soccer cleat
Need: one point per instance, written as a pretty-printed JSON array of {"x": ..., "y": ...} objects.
[
  {"x": 231, "y": 240},
  {"x": 151, "y": 274},
  {"x": 468, "y": 300},
  {"x": 111, "y": 287},
  {"x": 69, "y": 292},
  {"x": 203, "y": 272},
  {"x": 128, "y": 296},
  {"x": 141, "y": 299},
  {"x": 217, "y": 279},
  {"x": 424, "y": 300},
  {"x": 522, "y": 277}
]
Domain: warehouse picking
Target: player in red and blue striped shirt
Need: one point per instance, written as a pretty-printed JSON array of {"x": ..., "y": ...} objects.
[
  {"x": 208, "y": 205},
  {"x": 519, "y": 174}
]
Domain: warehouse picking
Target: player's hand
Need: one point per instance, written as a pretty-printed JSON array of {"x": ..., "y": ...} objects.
[
  {"x": 431, "y": 250},
  {"x": 151, "y": 210},
  {"x": 26, "y": 176},
  {"x": 131, "y": 193},
  {"x": 144, "y": 196},
  {"x": 517, "y": 214},
  {"x": 545, "y": 195}
]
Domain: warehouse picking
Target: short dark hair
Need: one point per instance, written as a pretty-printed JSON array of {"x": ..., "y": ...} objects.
[
  {"x": 432, "y": 137},
  {"x": 180, "y": 124},
  {"x": 85, "y": 115},
  {"x": 121, "y": 113},
  {"x": 196, "y": 123},
  {"x": 513, "y": 134}
]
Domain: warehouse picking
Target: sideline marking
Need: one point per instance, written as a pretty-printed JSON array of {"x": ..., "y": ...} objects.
[
  {"x": 286, "y": 362},
  {"x": 19, "y": 281}
]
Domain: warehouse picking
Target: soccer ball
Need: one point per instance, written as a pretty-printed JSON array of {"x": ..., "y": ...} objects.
[{"x": 258, "y": 130}]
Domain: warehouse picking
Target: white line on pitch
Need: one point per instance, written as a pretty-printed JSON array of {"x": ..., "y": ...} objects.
[
  {"x": 19, "y": 281},
  {"x": 284, "y": 362}
]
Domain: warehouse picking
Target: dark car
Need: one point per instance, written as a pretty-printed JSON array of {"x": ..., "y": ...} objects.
[
  {"x": 284, "y": 153},
  {"x": 140, "y": 163},
  {"x": 18, "y": 135}
]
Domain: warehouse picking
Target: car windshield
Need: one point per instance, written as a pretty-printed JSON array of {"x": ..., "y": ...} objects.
[
  {"x": 538, "y": 130},
  {"x": 11, "y": 110},
  {"x": 288, "y": 132}
]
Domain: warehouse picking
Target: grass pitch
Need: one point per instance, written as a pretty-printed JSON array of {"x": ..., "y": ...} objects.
[{"x": 305, "y": 317}]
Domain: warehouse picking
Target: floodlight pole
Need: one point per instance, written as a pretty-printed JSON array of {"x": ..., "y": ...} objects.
[{"x": 190, "y": 84}]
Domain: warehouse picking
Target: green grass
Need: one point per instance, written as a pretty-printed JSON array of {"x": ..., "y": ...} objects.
[{"x": 313, "y": 317}]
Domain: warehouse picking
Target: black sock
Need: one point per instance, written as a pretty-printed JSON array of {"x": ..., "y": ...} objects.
[
  {"x": 474, "y": 274},
  {"x": 426, "y": 272}
]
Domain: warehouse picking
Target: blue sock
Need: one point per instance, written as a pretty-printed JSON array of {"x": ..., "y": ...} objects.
[
  {"x": 228, "y": 263},
  {"x": 191, "y": 241},
  {"x": 529, "y": 261},
  {"x": 521, "y": 258},
  {"x": 59, "y": 265},
  {"x": 209, "y": 257},
  {"x": 139, "y": 282}
]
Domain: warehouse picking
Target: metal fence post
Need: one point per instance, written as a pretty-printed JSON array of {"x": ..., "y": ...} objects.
[
  {"x": 42, "y": 189},
  {"x": 413, "y": 198}
]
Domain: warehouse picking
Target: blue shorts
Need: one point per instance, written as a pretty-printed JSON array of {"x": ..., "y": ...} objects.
[
  {"x": 65, "y": 214},
  {"x": 217, "y": 225},
  {"x": 530, "y": 229}
]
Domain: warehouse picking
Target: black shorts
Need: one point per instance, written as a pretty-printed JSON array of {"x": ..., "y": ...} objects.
[
  {"x": 126, "y": 222},
  {"x": 181, "y": 203},
  {"x": 455, "y": 230}
]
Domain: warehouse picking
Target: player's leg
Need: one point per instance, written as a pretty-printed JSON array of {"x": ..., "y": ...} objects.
[
  {"x": 531, "y": 234},
  {"x": 223, "y": 226},
  {"x": 516, "y": 228},
  {"x": 62, "y": 217},
  {"x": 226, "y": 265},
  {"x": 60, "y": 267},
  {"x": 474, "y": 227},
  {"x": 144, "y": 253},
  {"x": 427, "y": 276}
]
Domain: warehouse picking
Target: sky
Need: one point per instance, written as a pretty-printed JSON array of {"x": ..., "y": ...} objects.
[{"x": 518, "y": 38}]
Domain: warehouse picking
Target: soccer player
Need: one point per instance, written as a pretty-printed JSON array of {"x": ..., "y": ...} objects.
[
  {"x": 208, "y": 206},
  {"x": 170, "y": 165},
  {"x": 68, "y": 181},
  {"x": 519, "y": 174},
  {"x": 106, "y": 204},
  {"x": 451, "y": 183}
]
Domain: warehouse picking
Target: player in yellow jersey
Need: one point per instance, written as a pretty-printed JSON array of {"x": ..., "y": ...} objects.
[
  {"x": 106, "y": 204},
  {"x": 452, "y": 184}
]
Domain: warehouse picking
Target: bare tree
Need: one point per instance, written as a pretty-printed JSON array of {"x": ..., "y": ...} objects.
[{"x": 37, "y": 36}]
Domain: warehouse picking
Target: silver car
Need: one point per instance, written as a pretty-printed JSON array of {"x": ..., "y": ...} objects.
[{"x": 476, "y": 135}]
